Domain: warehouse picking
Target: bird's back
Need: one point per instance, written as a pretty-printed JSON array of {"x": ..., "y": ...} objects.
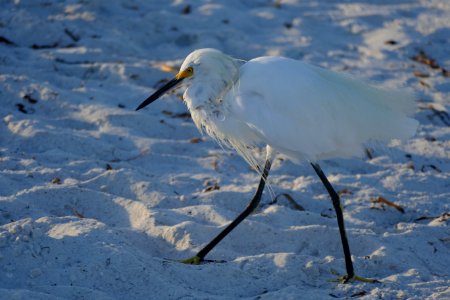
[{"x": 307, "y": 112}]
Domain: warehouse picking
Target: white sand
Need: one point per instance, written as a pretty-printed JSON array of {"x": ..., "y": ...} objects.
[{"x": 94, "y": 196}]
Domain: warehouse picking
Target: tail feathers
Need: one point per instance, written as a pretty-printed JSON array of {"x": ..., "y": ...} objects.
[
  {"x": 407, "y": 128},
  {"x": 401, "y": 101},
  {"x": 390, "y": 109},
  {"x": 400, "y": 106}
]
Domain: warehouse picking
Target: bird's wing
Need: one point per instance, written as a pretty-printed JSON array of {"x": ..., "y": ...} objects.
[{"x": 303, "y": 109}]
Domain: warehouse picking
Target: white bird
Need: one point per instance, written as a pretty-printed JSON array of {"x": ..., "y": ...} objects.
[{"x": 301, "y": 111}]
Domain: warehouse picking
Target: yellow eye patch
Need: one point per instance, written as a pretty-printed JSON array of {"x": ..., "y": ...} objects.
[{"x": 185, "y": 73}]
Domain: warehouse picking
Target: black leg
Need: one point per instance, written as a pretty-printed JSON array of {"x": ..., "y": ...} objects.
[
  {"x": 199, "y": 257},
  {"x": 340, "y": 219}
]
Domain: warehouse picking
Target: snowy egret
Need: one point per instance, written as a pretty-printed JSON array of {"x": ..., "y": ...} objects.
[{"x": 301, "y": 111}]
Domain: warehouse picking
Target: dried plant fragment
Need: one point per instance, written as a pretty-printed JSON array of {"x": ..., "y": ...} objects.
[
  {"x": 290, "y": 199},
  {"x": 209, "y": 186},
  {"x": 423, "y": 58},
  {"x": 441, "y": 114},
  {"x": 195, "y": 140},
  {"x": 344, "y": 192},
  {"x": 420, "y": 74},
  {"x": 382, "y": 200},
  {"x": 56, "y": 180},
  {"x": 168, "y": 69},
  {"x": 186, "y": 10}
]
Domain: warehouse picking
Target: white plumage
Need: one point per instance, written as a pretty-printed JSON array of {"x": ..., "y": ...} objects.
[{"x": 302, "y": 111}]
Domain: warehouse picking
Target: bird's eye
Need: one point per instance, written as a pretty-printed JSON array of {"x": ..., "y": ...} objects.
[{"x": 188, "y": 72}]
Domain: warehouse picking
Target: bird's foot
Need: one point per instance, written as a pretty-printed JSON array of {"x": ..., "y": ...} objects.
[
  {"x": 364, "y": 279},
  {"x": 346, "y": 278},
  {"x": 196, "y": 260}
]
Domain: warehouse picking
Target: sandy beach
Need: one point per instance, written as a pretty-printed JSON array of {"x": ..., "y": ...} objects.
[{"x": 98, "y": 201}]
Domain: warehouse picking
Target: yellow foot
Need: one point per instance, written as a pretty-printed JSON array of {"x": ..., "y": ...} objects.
[
  {"x": 346, "y": 279},
  {"x": 195, "y": 260},
  {"x": 364, "y": 279}
]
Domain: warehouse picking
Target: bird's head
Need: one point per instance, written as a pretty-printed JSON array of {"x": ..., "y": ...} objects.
[{"x": 205, "y": 73}]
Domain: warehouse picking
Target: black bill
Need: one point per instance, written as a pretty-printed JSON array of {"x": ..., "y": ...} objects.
[{"x": 160, "y": 92}]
